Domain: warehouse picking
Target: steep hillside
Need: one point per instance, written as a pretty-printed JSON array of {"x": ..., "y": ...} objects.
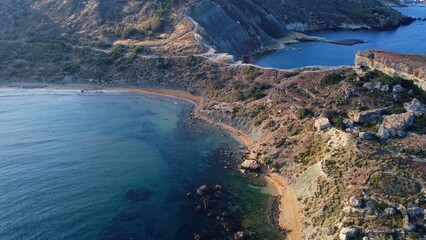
[
  {"x": 180, "y": 27},
  {"x": 240, "y": 27}
]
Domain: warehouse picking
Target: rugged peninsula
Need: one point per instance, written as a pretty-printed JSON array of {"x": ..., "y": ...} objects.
[{"x": 345, "y": 147}]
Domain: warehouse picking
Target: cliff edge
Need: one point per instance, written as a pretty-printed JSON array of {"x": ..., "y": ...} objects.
[{"x": 407, "y": 66}]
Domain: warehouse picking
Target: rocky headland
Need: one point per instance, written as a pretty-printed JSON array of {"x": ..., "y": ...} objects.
[
  {"x": 343, "y": 148},
  {"x": 408, "y": 66}
]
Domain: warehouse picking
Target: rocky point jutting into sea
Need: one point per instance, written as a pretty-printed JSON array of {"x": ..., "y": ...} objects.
[{"x": 343, "y": 147}]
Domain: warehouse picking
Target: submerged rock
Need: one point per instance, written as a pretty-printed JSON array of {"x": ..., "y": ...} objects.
[
  {"x": 217, "y": 187},
  {"x": 202, "y": 190},
  {"x": 239, "y": 235}
]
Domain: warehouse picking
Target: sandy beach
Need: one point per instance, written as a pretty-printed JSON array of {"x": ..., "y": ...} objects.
[{"x": 290, "y": 217}]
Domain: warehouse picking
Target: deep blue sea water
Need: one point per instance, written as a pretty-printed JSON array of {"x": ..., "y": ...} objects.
[
  {"x": 112, "y": 166},
  {"x": 407, "y": 39}
]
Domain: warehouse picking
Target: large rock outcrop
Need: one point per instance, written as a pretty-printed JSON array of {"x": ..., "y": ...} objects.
[
  {"x": 395, "y": 125},
  {"x": 407, "y": 66}
]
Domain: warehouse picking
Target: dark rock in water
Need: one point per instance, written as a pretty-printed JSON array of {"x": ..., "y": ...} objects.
[
  {"x": 239, "y": 235},
  {"x": 217, "y": 187},
  {"x": 210, "y": 213},
  {"x": 202, "y": 190},
  {"x": 198, "y": 209},
  {"x": 219, "y": 194},
  {"x": 138, "y": 194},
  {"x": 226, "y": 214},
  {"x": 203, "y": 234},
  {"x": 206, "y": 202}
]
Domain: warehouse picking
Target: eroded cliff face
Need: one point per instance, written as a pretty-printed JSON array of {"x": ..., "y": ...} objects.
[
  {"x": 242, "y": 27},
  {"x": 407, "y": 66}
]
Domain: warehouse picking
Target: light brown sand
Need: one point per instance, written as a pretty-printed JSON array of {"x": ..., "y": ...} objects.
[{"x": 290, "y": 217}]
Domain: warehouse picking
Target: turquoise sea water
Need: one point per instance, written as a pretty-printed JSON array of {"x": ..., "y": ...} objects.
[
  {"x": 112, "y": 166},
  {"x": 407, "y": 39}
]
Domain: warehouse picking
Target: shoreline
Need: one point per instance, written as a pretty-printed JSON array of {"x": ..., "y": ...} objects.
[{"x": 289, "y": 217}]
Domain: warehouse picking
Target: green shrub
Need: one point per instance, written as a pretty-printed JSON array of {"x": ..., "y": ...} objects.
[
  {"x": 377, "y": 76},
  {"x": 239, "y": 96},
  {"x": 118, "y": 51},
  {"x": 336, "y": 118},
  {"x": 257, "y": 90},
  {"x": 280, "y": 142},
  {"x": 98, "y": 43},
  {"x": 70, "y": 67},
  {"x": 139, "y": 49},
  {"x": 331, "y": 79},
  {"x": 303, "y": 113},
  {"x": 163, "y": 63},
  {"x": 129, "y": 32},
  {"x": 253, "y": 73},
  {"x": 152, "y": 24}
]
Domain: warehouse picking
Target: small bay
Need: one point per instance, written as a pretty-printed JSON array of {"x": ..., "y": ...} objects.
[
  {"x": 116, "y": 165},
  {"x": 406, "y": 39}
]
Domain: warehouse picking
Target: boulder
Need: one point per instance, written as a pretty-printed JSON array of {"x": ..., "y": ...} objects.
[
  {"x": 398, "y": 89},
  {"x": 416, "y": 107},
  {"x": 384, "y": 88},
  {"x": 414, "y": 211},
  {"x": 377, "y": 85},
  {"x": 367, "y": 116},
  {"x": 322, "y": 123},
  {"x": 390, "y": 211},
  {"x": 251, "y": 165},
  {"x": 349, "y": 124},
  {"x": 348, "y": 233},
  {"x": 368, "y": 85},
  {"x": 202, "y": 190},
  {"x": 355, "y": 202},
  {"x": 370, "y": 205},
  {"x": 367, "y": 136},
  {"x": 395, "y": 125}
]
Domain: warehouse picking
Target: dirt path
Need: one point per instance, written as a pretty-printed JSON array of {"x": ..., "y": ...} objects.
[{"x": 290, "y": 217}]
